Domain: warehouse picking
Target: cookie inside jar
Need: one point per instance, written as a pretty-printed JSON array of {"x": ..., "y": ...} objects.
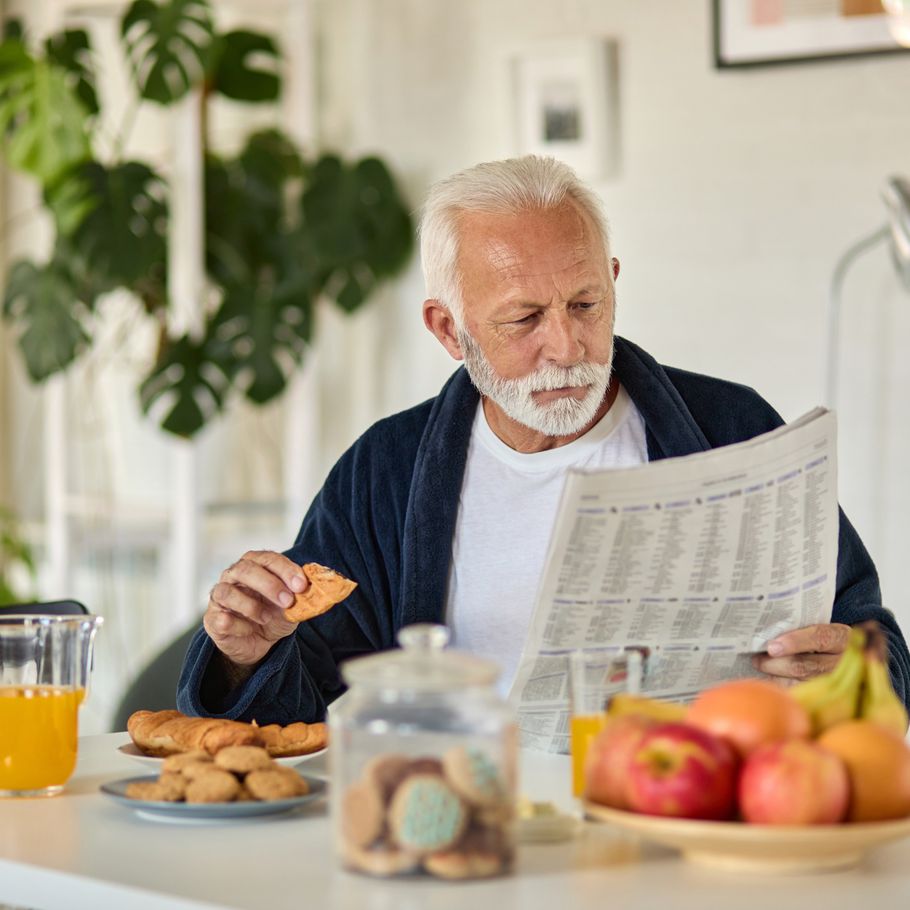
[{"x": 423, "y": 764}]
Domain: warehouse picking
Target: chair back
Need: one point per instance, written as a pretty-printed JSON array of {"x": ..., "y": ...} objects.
[{"x": 48, "y": 608}]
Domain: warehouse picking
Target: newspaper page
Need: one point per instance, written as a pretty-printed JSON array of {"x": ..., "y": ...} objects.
[{"x": 693, "y": 563}]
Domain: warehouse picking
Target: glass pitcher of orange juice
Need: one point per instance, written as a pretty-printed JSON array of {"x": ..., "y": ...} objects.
[{"x": 45, "y": 664}]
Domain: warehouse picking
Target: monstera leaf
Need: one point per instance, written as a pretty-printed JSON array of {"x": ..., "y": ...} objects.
[
  {"x": 233, "y": 73},
  {"x": 168, "y": 45},
  {"x": 186, "y": 381},
  {"x": 71, "y": 51},
  {"x": 42, "y": 118},
  {"x": 246, "y": 209},
  {"x": 42, "y": 300},
  {"x": 356, "y": 223},
  {"x": 123, "y": 238}
]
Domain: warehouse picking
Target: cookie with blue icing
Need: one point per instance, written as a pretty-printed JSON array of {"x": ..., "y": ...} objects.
[
  {"x": 426, "y": 815},
  {"x": 474, "y": 776}
]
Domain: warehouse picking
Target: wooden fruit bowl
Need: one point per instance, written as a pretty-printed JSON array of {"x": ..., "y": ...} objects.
[{"x": 758, "y": 848}]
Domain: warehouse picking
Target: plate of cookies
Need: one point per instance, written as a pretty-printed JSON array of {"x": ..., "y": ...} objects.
[
  {"x": 236, "y": 782},
  {"x": 156, "y": 735}
]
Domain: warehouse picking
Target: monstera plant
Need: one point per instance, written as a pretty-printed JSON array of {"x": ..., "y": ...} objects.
[{"x": 282, "y": 230}]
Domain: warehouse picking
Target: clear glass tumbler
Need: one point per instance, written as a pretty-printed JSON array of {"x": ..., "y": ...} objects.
[{"x": 45, "y": 665}]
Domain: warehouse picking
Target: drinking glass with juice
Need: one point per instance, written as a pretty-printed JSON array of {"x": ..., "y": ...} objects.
[
  {"x": 45, "y": 663},
  {"x": 595, "y": 675}
]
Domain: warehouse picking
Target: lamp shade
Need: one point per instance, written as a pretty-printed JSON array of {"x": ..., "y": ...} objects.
[{"x": 896, "y": 194}]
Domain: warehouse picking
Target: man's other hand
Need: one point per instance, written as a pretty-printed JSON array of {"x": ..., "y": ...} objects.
[
  {"x": 245, "y": 615},
  {"x": 803, "y": 653}
]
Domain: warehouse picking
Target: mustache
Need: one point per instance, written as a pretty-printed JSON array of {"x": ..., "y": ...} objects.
[{"x": 552, "y": 377}]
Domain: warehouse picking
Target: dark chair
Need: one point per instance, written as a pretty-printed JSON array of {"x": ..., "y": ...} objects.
[
  {"x": 47, "y": 608},
  {"x": 155, "y": 688}
]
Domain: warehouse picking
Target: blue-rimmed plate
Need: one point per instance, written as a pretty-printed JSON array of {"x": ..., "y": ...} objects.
[{"x": 208, "y": 812}]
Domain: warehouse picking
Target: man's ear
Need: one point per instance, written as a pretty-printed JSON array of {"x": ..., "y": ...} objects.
[
  {"x": 614, "y": 265},
  {"x": 438, "y": 319}
]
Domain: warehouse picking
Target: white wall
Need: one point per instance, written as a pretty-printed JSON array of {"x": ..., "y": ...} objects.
[{"x": 736, "y": 192}]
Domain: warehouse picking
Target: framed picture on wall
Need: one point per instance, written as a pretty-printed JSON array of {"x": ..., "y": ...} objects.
[
  {"x": 761, "y": 32},
  {"x": 561, "y": 102}
]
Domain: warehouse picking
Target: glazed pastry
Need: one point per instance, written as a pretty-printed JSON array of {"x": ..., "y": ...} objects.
[
  {"x": 426, "y": 815},
  {"x": 294, "y": 739},
  {"x": 326, "y": 588}
]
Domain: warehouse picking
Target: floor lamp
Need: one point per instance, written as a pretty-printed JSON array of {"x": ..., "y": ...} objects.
[{"x": 896, "y": 196}]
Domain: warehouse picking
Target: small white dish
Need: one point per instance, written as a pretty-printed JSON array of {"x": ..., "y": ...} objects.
[
  {"x": 206, "y": 813},
  {"x": 131, "y": 750}
]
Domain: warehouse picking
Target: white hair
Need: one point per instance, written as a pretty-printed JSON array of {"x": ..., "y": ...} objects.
[{"x": 507, "y": 187}]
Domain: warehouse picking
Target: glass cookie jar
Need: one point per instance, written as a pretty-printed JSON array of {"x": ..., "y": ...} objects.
[{"x": 423, "y": 763}]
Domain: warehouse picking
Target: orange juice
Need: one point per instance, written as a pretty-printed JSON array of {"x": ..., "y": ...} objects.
[
  {"x": 582, "y": 729},
  {"x": 38, "y": 730}
]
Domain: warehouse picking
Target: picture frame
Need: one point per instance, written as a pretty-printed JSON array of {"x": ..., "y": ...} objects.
[
  {"x": 561, "y": 101},
  {"x": 749, "y": 33}
]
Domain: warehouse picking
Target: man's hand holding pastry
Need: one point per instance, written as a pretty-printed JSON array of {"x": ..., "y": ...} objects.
[
  {"x": 261, "y": 598},
  {"x": 246, "y": 610}
]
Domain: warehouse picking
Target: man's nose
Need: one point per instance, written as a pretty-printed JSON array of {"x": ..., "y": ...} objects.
[{"x": 562, "y": 342}]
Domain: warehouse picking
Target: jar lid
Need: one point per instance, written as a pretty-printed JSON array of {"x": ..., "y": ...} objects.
[{"x": 421, "y": 665}]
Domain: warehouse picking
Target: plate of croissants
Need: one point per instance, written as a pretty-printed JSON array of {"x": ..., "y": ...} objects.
[{"x": 155, "y": 735}]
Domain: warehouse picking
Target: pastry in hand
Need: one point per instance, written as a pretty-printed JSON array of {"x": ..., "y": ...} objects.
[{"x": 326, "y": 588}]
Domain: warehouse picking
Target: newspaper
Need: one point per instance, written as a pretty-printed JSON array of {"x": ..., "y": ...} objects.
[{"x": 692, "y": 563}]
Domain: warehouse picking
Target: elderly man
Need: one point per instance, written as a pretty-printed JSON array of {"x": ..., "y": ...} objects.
[{"x": 442, "y": 513}]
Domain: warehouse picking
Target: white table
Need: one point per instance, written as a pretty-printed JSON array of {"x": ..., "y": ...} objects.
[{"x": 82, "y": 850}]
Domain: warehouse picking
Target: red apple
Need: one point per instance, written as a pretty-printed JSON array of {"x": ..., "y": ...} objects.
[
  {"x": 683, "y": 772},
  {"x": 795, "y": 782},
  {"x": 607, "y": 761}
]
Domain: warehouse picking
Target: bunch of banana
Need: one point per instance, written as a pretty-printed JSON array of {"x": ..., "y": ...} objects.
[
  {"x": 624, "y": 703},
  {"x": 858, "y": 687},
  {"x": 834, "y": 697},
  {"x": 879, "y": 702}
]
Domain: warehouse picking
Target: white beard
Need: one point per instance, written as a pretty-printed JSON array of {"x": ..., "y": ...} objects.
[{"x": 563, "y": 417}]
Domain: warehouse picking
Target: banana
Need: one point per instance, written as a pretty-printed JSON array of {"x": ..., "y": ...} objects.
[
  {"x": 879, "y": 702},
  {"x": 834, "y": 697},
  {"x": 624, "y": 703}
]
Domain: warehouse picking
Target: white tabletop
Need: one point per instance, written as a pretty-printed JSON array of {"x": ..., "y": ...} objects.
[{"x": 82, "y": 850}]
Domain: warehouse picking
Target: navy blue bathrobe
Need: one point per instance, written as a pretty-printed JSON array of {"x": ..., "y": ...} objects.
[{"x": 386, "y": 517}]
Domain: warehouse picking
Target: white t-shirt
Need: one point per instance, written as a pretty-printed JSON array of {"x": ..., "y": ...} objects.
[{"x": 505, "y": 515}]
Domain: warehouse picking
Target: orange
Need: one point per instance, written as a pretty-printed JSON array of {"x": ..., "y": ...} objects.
[
  {"x": 878, "y": 762},
  {"x": 749, "y": 713}
]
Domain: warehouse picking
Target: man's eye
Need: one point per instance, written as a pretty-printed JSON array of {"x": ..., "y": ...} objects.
[
  {"x": 586, "y": 304},
  {"x": 527, "y": 320}
]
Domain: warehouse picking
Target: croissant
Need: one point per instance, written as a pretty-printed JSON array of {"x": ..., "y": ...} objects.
[
  {"x": 163, "y": 733},
  {"x": 294, "y": 739}
]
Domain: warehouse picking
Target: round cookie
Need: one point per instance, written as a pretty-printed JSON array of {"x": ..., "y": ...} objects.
[
  {"x": 275, "y": 783},
  {"x": 382, "y": 859},
  {"x": 481, "y": 853},
  {"x": 362, "y": 814},
  {"x": 454, "y": 864},
  {"x": 214, "y": 786},
  {"x": 176, "y": 763},
  {"x": 243, "y": 759},
  {"x": 426, "y": 814},
  {"x": 166, "y": 789},
  {"x": 386, "y": 772},
  {"x": 473, "y": 776}
]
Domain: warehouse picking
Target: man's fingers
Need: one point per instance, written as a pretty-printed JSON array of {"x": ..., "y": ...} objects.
[
  {"x": 238, "y": 599},
  {"x": 800, "y": 666},
  {"x": 221, "y": 624},
  {"x": 828, "y": 638},
  {"x": 260, "y": 572}
]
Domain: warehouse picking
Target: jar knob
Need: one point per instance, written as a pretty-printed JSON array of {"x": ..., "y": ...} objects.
[{"x": 424, "y": 636}]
